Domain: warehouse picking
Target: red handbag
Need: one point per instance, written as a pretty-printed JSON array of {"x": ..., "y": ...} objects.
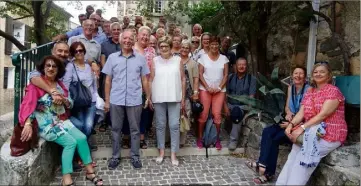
[{"x": 18, "y": 147}]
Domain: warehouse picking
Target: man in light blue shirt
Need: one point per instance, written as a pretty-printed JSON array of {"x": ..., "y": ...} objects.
[
  {"x": 92, "y": 47},
  {"x": 126, "y": 73}
]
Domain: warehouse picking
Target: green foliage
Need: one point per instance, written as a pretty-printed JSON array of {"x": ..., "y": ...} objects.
[{"x": 55, "y": 23}]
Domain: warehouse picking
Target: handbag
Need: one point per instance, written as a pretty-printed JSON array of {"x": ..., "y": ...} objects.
[
  {"x": 184, "y": 124},
  {"x": 79, "y": 93},
  {"x": 18, "y": 147}
]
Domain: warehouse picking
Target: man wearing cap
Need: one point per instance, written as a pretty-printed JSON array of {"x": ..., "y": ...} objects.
[{"x": 239, "y": 83}]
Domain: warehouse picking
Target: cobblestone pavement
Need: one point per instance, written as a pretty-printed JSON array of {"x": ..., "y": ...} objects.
[
  {"x": 216, "y": 170},
  {"x": 103, "y": 139}
]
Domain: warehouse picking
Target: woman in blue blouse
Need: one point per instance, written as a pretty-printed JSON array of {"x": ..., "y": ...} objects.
[
  {"x": 83, "y": 119},
  {"x": 274, "y": 135}
]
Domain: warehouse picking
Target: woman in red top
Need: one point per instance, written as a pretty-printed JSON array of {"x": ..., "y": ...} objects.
[{"x": 322, "y": 103}]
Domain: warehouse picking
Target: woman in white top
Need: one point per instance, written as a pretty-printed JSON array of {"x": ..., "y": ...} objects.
[
  {"x": 213, "y": 71},
  {"x": 168, "y": 91},
  {"x": 203, "y": 47}
]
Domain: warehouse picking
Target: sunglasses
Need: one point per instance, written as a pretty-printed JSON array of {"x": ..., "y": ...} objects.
[
  {"x": 79, "y": 51},
  {"x": 50, "y": 65},
  {"x": 195, "y": 41}
]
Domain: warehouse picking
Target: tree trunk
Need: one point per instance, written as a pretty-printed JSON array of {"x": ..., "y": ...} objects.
[{"x": 39, "y": 25}]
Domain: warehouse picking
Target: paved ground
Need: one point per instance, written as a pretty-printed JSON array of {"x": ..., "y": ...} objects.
[
  {"x": 103, "y": 139},
  {"x": 216, "y": 170}
]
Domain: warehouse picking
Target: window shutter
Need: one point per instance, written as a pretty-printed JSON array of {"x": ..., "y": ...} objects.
[
  {"x": 9, "y": 29},
  {"x": 6, "y": 77},
  {"x": 27, "y": 42}
]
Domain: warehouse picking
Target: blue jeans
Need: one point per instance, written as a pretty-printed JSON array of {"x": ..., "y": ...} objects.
[
  {"x": 84, "y": 119},
  {"x": 145, "y": 122},
  {"x": 272, "y": 137}
]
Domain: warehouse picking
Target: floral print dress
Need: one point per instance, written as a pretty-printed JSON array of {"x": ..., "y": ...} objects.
[{"x": 47, "y": 115}]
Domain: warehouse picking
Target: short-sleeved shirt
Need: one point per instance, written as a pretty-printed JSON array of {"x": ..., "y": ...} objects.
[
  {"x": 126, "y": 73},
  {"x": 213, "y": 71},
  {"x": 92, "y": 47},
  {"x": 245, "y": 85},
  {"x": 109, "y": 47},
  {"x": 336, "y": 127}
]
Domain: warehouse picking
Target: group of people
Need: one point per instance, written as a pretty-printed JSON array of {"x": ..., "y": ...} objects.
[{"x": 141, "y": 72}]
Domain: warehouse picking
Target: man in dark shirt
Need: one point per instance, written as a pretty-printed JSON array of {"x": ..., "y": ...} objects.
[
  {"x": 225, "y": 44},
  {"x": 239, "y": 83},
  {"x": 108, "y": 47}
]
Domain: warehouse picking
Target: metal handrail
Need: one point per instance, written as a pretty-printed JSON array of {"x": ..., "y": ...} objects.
[{"x": 25, "y": 62}]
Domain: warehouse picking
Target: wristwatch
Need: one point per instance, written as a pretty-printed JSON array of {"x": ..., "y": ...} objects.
[{"x": 303, "y": 127}]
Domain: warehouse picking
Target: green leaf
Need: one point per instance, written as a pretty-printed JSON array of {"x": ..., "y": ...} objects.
[
  {"x": 263, "y": 89},
  {"x": 276, "y": 91},
  {"x": 246, "y": 100},
  {"x": 274, "y": 75},
  {"x": 264, "y": 81}
]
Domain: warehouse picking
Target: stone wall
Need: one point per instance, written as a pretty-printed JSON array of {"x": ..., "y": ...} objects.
[{"x": 288, "y": 46}]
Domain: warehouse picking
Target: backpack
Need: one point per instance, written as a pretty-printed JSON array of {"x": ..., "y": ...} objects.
[{"x": 209, "y": 134}]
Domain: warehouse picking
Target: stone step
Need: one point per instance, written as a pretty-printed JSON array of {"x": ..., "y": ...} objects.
[{"x": 106, "y": 152}]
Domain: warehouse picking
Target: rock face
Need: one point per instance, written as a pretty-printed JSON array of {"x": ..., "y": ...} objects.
[
  {"x": 6, "y": 127},
  {"x": 33, "y": 168}
]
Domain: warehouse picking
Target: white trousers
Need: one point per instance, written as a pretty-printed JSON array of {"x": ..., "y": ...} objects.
[{"x": 293, "y": 173}]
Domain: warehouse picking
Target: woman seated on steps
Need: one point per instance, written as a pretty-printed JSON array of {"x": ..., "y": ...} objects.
[
  {"x": 274, "y": 135},
  {"x": 52, "y": 120},
  {"x": 322, "y": 107}
]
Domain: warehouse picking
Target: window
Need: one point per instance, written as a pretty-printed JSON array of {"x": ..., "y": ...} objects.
[
  {"x": 158, "y": 6},
  {"x": 9, "y": 73}
]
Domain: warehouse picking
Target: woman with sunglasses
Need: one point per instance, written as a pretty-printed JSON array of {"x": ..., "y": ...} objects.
[
  {"x": 322, "y": 120},
  {"x": 274, "y": 135},
  {"x": 195, "y": 44},
  {"x": 83, "y": 119},
  {"x": 52, "y": 120},
  {"x": 204, "y": 46}
]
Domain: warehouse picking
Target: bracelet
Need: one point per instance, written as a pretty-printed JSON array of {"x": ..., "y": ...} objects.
[{"x": 29, "y": 124}]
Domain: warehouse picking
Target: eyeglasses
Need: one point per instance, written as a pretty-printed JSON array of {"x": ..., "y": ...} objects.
[
  {"x": 50, "y": 65},
  {"x": 164, "y": 46},
  {"x": 321, "y": 62},
  {"x": 79, "y": 51}
]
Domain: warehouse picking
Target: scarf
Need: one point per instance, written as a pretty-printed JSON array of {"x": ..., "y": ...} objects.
[
  {"x": 30, "y": 100},
  {"x": 310, "y": 153}
]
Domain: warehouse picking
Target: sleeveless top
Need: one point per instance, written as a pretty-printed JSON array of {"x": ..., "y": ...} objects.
[{"x": 167, "y": 85}]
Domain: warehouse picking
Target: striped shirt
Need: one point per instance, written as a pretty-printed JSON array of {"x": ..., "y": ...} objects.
[{"x": 336, "y": 127}]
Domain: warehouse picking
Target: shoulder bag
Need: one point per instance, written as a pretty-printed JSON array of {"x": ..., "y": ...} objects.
[{"x": 79, "y": 93}]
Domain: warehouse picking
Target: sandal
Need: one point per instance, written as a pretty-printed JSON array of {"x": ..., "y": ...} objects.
[
  {"x": 175, "y": 163},
  {"x": 72, "y": 183},
  {"x": 125, "y": 143},
  {"x": 262, "y": 179},
  {"x": 254, "y": 166},
  {"x": 159, "y": 160},
  {"x": 96, "y": 180},
  {"x": 143, "y": 144},
  {"x": 103, "y": 127}
]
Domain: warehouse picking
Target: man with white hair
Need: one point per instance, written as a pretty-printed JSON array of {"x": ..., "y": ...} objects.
[
  {"x": 92, "y": 47},
  {"x": 123, "y": 95},
  {"x": 160, "y": 33},
  {"x": 197, "y": 30}
]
